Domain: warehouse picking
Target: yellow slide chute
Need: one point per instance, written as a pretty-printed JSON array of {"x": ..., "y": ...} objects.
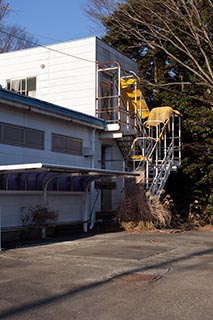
[
  {"x": 133, "y": 96},
  {"x": 160, "y": 115}
]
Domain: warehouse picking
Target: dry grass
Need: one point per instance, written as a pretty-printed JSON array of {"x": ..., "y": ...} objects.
[
  {"x": 199, "y": 221},
  {"x": 143, "y": 212},
  {"x": 140, "y": 212},
  {"x": 160, "y": 211}
]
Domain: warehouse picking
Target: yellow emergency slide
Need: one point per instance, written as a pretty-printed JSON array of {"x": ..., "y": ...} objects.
[
  {"x": 133, "y": 96},
  {"x": 160, "y": 115}
]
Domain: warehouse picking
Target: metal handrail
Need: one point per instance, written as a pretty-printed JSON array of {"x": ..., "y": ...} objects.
[{"x": 163, "y": 171}]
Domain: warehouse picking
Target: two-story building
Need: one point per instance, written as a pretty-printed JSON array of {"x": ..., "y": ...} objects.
[
  {"x": 54, "y": 151},
  {"x": 73, "y": 118}
]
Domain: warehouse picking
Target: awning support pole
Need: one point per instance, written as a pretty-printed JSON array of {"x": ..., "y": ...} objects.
[
  {"x": 85, "y": 217},
  {"x": 0, "y": 230},
  {"x": 46, "y": 186}
]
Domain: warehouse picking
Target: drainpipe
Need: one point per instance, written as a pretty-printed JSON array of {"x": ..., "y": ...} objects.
[
  {"x": 86, "y": 216},
  {"x": 93, "y": 148},
  {"x": 92, "y": 222}
]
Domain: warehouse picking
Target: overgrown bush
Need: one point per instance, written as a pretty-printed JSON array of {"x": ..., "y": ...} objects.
[
  {"x": 140, "y": 211},
  {"x": 41, "y": 216}
]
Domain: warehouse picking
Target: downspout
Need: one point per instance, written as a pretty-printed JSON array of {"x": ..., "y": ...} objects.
[
  {"x": 92, "y": 222},
  {"x": 93, "y": 148},
  {"x": 85, "y": 217}
]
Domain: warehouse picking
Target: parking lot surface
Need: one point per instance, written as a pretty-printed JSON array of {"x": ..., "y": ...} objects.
[{"x": 149, "y": 276}]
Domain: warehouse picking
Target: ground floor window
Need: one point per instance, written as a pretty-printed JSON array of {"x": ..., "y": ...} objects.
[
  {"x": 66, "y": 144},
  {"x": 21, "y": 136}
]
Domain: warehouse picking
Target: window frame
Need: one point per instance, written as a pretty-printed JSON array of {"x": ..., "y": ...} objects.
[
  {"x": 68, "y": 145},
  {"x": 25, "y": 132},
  {"x": 23, "y": 84}
]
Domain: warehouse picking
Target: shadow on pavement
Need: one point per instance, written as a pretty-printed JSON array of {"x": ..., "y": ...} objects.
[{"x": 10, "y": 313}]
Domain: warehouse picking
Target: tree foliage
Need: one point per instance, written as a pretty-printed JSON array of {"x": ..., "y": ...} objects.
[
  {"x": 172, "y": 42},
  {"x": 12, "y": 37}
]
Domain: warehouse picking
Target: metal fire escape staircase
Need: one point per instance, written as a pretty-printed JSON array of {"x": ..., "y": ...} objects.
[
  {"x": 150, "y": 142},
  {"x": 159, "y": 152}
]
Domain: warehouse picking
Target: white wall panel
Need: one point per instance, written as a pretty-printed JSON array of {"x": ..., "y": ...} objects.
[
  {"x": 65, "y": 76},
  {"x": 13, "y": 154},
  {"x": 72, "y": 209},
  {"x": 105, "y": 53},
  {"x": 15, "y": 205},
  {"x": 66, "y": 73}
]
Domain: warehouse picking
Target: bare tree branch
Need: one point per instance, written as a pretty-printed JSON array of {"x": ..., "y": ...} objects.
[
  {"x": 183, "y": 25},
  {"x": 12, "y": 37}
]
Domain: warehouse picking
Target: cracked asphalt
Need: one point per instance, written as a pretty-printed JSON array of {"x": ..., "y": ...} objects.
[{"x": 120, "y": 275}]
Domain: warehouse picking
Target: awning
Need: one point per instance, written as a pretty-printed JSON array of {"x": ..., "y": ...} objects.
[
  {"x": 52, "y": 171},
  {"x": 53, "y": 177},
  {"x": 66, "y": 170}
]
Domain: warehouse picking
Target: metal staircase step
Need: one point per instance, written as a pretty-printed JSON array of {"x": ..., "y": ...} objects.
[{"x": 124, "y": 144}]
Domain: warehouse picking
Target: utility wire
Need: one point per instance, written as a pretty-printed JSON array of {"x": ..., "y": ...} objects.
[
  {"x": 87, "y": 60},
  {"x": 47, "y": 47}
]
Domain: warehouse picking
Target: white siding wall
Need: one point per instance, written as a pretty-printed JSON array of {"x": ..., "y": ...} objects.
[
  {"x": 65, "y": 78},
  {"x": 69, "y": 206},
  {"x": 116, "y": 164},
  {"x": 66, "y": 74},
  {"x": 12, "y": 154},
  {"x": 14, "y": 206},
  {"x": 105, "y": 53}
]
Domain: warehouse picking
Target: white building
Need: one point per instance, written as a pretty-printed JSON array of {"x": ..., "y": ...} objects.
[
  {"x": 84, "y": 116},
  {"x": 59, "y": 132},
  {"x": 63, "y": 73},
  {"x": 52, "y": 156}
]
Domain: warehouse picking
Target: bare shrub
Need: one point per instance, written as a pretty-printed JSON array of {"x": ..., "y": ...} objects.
[
  {"x": 139, "y": 211},
  {"x": 42, "y": 216}
]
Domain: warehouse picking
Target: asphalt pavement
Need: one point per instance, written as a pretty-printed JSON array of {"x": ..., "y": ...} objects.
[{"x": 111, "y": 276}]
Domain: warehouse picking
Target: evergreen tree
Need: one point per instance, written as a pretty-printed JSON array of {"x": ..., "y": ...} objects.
[{"x": 171, "y": 40}]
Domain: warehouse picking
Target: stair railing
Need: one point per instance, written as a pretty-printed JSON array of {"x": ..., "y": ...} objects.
[
  {"x": 157, "y": 170},
  {"x": 163, "y": 172},
  {"x": 146, "y": 146}
]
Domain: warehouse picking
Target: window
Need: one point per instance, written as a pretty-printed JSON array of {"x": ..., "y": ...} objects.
[
  {"x": 26, "y": 86},
  {"x": 108, "y": 109},
  {"x": 65, "y": 144},
  {"x": 21, "y": 136}
]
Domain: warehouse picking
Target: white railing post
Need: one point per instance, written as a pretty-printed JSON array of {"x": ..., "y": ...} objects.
[{"x": 179, "y": 141}]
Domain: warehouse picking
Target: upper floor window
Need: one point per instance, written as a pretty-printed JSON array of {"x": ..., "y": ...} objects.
[{"x": 26, "y": 86}]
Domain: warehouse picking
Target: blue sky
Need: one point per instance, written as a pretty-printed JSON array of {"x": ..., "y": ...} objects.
[{"x": 60, "y": 20}]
